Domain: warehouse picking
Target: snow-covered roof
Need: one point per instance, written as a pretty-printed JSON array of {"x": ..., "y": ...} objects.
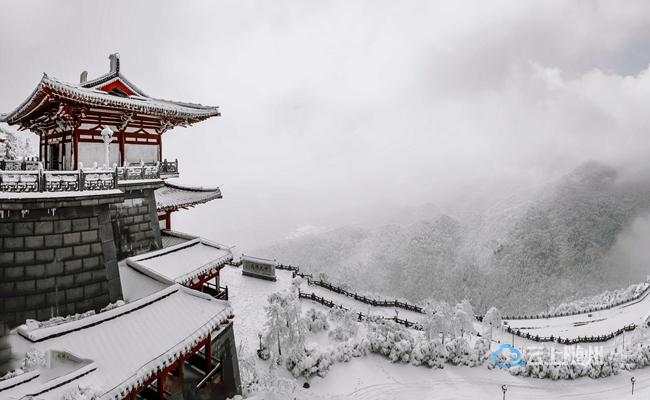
[
  {"x": 183, "y": 262},
  {"x": 126, "y": 345},
  {"x": 50, "y": 87},
  {"x": 172, "y": 238},
  {"x": 173, "y": 196}
]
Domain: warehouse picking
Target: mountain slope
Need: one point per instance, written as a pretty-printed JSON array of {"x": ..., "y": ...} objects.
[{"x": 524, "y": 254}]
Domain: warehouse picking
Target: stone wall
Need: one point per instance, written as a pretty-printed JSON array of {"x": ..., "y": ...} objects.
[
  {"x": 135, "y": 223},
  {"x": 57, "y": 256},
  {"x": 225, "y": 349}
]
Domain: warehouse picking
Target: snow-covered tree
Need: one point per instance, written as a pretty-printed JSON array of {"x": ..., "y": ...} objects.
[
  {"x": 492, "y": 318},
  {"x": 438, "y": 320},
  {"x": 285, "y": 329},
  {"x": 463, "y": 322},
  {"x": 13, "y": 146}
]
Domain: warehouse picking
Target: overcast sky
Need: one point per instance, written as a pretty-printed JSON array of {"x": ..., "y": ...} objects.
[{"x": 332, "y": 108}]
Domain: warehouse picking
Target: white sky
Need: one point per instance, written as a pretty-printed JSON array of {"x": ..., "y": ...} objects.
[{"x": 339, "y": 108}]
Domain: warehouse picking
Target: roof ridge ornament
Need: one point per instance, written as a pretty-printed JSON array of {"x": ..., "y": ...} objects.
[{"x": 114, "y": 62}]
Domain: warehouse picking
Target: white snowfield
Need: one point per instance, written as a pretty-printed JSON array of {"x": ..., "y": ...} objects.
[
  {"x": 596, "y": 323},
  {"x": 375, "y": 377}
]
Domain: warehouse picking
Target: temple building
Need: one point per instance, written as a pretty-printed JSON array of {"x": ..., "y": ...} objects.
[{"x": 93, "y": 279}]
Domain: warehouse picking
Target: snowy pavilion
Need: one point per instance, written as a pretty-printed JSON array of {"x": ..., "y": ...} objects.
[{"x": 96, "y": 285}]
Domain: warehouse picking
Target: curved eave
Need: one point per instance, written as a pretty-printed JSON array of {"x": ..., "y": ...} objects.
[
  {"x": 172, "y": 197},
  {"x": 50, "y": 88}
]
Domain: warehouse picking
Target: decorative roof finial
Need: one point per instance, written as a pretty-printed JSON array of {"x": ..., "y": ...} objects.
[
  {"x": 115, "y": 62},
  {"x": 84, "y": 77}
]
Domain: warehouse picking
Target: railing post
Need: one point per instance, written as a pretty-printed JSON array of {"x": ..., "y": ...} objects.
[{"x": 40, "y": 180}]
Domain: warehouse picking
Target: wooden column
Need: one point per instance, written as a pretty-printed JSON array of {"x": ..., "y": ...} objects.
[
  {"x": 161, "y": 385},
  {"x": 181, "y": 370},
  {"x": 45, "y": 161},
  {"x": 168, "y": 220},
  {"x": 160, "y": 157},
  {"x": 121, "y": 141},
  {"x": 208, "y": 354},
  {"x": 75, "y": 145}
]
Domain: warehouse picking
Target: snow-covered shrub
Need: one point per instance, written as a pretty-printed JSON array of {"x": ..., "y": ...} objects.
[
  {"x": 308, "y": 363},
  {"x": 34, "y": 358},
  {"x": 635, "y": 356},
  {"x": 431, "y": 353},
  {"x": 458, "y": 351},
  {"x": 391, "y": 340},
  {"x": 544, "y": 365},
  {"x": 79, "y": 393},
  {"x": 316, "y": 320},
  {"x": 345, "y": 351},
  {"x": 480, "y": 352},
  {"x": 347, "y": 324}
]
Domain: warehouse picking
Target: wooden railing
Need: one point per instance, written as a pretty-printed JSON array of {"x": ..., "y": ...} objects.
[
  {"x": 579, "y": 339},
  {"x": 220, "y": 293},
  {"x": 358, "y": 297},
  {"x": 39, "y": 180},
  {"x": 329, "y": 303}
]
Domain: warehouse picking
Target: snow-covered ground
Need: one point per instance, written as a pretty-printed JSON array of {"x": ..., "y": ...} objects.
[{"x": 375, "y": 377}]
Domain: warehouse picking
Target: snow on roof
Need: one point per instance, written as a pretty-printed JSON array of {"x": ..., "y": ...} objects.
[
  {"x": 128, "y": 344},
  {"x": 258, "y": 260},
  {"x": 136, "y": 285},
  {"x": 173, "y": 196},
  {"x": 183, "y": 262},
  {"x": 94, "y": 97},
  {"x": 171, "y": 238}
]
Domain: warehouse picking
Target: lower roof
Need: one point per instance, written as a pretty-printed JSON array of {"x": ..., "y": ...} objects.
[
  {"x": 182, "y": 262},
  {"x": 123, "y": 347}
]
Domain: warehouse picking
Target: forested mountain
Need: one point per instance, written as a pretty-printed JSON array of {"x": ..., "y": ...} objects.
[{"x": 525, "y": 253}]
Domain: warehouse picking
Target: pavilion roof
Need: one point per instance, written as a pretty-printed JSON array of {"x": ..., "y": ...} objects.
[
  {"x": 121, "y": 347},
  {"x": 173, "y": 196},
  {"x": 51, "y": 90}
]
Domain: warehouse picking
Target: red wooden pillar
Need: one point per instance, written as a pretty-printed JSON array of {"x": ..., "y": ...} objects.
[
  {"x": 181, "y": 370},
  {"x": 160, "y": 157},
  {"x": 161, "y": 385},
  {"x": 75, "y": 145},
  {"x": 45, "y": 151},
  {"x": 168, "y": 220},
  {"x": 122, "y": 155},
  {"x": 208, "y": 354}
]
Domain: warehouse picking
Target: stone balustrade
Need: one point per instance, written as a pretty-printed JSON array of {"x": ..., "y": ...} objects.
[{"x": 39, "y": 180}]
